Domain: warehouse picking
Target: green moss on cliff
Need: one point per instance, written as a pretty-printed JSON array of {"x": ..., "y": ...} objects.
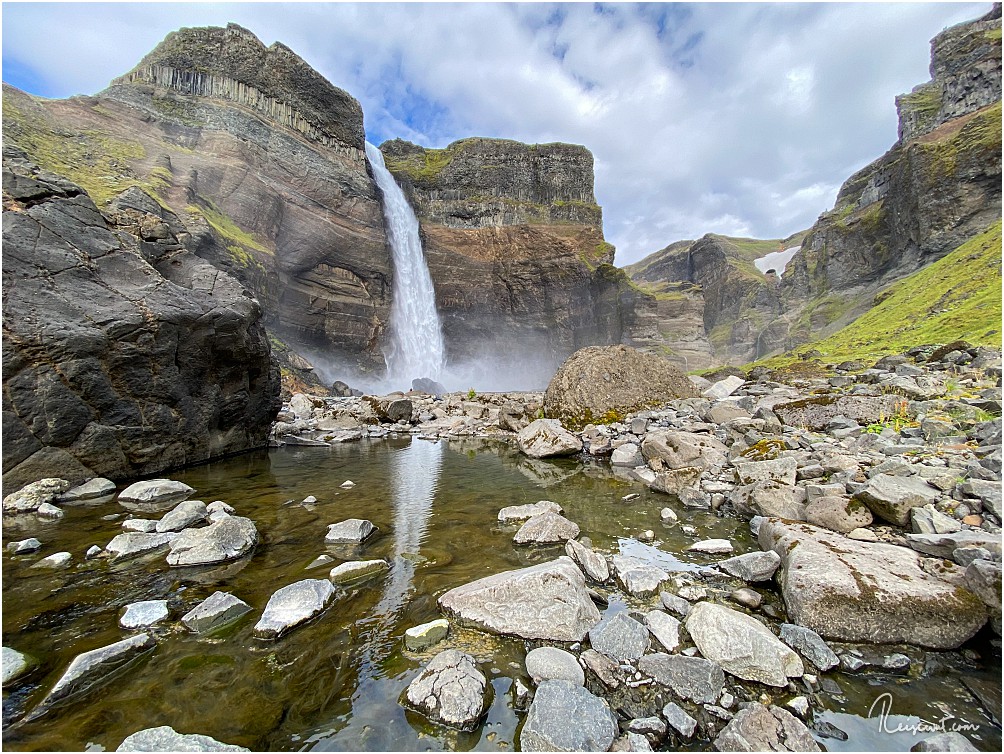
[
  {"x": 977, "y": 140},
  {"x": 242, "y": 242},
  {"x": 422, "y": 167},
  {"x": 925, "y": 100}
]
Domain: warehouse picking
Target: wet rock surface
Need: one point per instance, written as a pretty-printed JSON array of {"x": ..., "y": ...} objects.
[
  {"x": 566, "y": 717},
  {"x": 450, "y": 690}
]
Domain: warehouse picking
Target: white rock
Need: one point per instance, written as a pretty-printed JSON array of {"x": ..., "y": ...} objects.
[
  {"x": 56, "y": 560},
  {"x": 711, "y": 546},
  {"x": 143, "y": 614}
]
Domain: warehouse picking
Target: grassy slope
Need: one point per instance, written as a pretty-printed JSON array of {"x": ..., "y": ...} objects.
[{"x": 957, "y": 297}]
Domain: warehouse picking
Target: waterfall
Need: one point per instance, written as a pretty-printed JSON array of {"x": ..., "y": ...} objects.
[{"x": 416, "y": 334}]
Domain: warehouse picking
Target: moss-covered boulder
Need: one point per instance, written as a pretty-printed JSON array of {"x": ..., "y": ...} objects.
[{"x": 603, "y": 384}]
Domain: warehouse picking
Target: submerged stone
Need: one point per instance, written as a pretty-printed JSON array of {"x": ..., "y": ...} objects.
[
  {"x": 292, "y": 605},
  {"x": 14, "y": 664},
  {"x": 529, "y": 510},
  {"x": 166, "y": 738},
  {"x": 426, "y": 635},
  {"x": 216, "y": 611},
  {"x": 356, "y": 569},
  {"x": 143, "y": 614}
]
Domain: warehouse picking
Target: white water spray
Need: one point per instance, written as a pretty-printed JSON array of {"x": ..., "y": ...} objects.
[{"x": 416, "y": 333}]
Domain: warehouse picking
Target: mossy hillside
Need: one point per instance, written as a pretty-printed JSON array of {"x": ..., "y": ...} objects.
[
  {"x": 976, "y": 142},
  {"x": 957, "y": 297},
  {"x": 423, "y": 167}
]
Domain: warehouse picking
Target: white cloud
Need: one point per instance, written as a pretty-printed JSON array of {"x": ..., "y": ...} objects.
[{"x": 727, "y": 118}]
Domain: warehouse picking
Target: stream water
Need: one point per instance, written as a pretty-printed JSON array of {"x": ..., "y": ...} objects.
[{"x": 334, "y": 684}]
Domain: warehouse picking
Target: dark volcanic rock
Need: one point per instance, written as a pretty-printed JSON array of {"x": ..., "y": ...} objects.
[
  {"x": 599, "y": 384},
  {"x": 112, "y": 366}
]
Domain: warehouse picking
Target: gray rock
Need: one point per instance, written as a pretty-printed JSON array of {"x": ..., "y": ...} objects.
[
  {"x": 628, "y": 455},
  {"x": 682, "y": 723},
  {"x": 227, "y": 539},
  {"x": 943, "y": 545},
  {"x": 48, "y": 510},
  {"x": 948, "y": 741},
  {"x": 870, "y": 592},
  {"x": 166, "y": 738},
  {"x": 23, "y": 546},
  {"x": 31, "y": 496},
  {"x": 357, "y": 569},
  {"x": 929, "y": 520},
  {"x": 768, "y": 499},
  {"x": 89, "y": 669},
  {"x": 92, "y": 552},
  {"x": 217, "y": 510},
  {"x": 216, "y": 611},
  {"x": 522, "y": 512},
  {"x": 183, "y": 515},
  {"x": 95, "y": 488},
  {"x": 552, "y": 664},
  {"x": 546, "y": 528},
  {"x": 56, "y": 560},
  {"x": 711, "y": 547},
  {"x": 989, "y": 493},
  {"x": 566, "y": 717},
  {"x": 154, "y": 494},
  {"x": 665, "y": 628},
  {"x": 142, "y": 614},
  {"x": 674, "y": 449},
  {"x": 799, "y": 705},
  {"x": 742, "y": 645},
  {"x": 693, "y": 678},
  {"x": 724, "y": 388},
  {"x": 14, "y": 664},
  {"x": 780, "y": 470},
  {"x": 450, "y": 690},
  {"x": 620, "y": 637},
  {"x": 546, "y": 438},
  {"x": 810, "y": 645},
  {"x": 293, "y": 605},
  {"x": 674, "y": 604},
  {"x": 605, "y": 669},
  {"x": 143, "y": 525},
  {"x": 752, "y": 566},
  {"x": 838, "y": 513},
  {"x": 350, "y": 531},
  {"x": 983, "y": 578},
  {"x": 746, "y": 597},
  {"x": 638, "y": 579},
  {"x": 426, "y": 635},
  {"x": 544, "y": 601},
  {"x": 760, "y": 728},
  {"x": 652, "y": 728},
  {"x": 891, "y": 497},
  {"x": 592, "y": 563}
]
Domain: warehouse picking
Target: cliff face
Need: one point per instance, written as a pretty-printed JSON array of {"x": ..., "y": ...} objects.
[
  {"x": 514, "y": 240},
  {"x": 123, "y": 353},
  {"x": 248, "y": 146}
]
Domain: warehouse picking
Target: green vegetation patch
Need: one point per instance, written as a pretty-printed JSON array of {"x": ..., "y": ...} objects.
[
  {"x": 226, "y": 227},
  {"x": 423, "y": 168}
]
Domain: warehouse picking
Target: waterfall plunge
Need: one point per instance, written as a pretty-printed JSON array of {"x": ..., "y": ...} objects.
[{"x": 416, "y": 343}]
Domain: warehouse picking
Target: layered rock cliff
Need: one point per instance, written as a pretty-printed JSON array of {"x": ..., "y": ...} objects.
[
  {"x": 515, "y": 246},
  {"x": 123, "y": 352}
]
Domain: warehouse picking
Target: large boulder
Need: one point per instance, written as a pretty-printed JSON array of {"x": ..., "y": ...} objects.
[
  {"x": 742, "y": 645},
  {"x": 227, "y": 539},
  {"x": 601, "y": 384},
  {"x": 675, "y": 449},
  {"x": 450, "y": 690},
  {"x": 862, "y": 591},
  {"x": 116, "y": 363},
  {"x": 566, "y": 717},
  {"x": 546, "y": 528},
  {"x": 891, "y": 497},
  {"x": 546, "y": 438},
  {"x": 544, "y": 601},
  {"x": 32, "y": 496}
]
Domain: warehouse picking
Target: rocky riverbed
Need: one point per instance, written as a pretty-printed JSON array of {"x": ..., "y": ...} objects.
[{"x": 747, "y": 569}]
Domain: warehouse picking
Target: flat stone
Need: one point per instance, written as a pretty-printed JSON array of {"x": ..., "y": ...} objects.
[
  {"x": 665, "y": 628},
  {"x": 752, "y": 566},
  {"x": 768, "y": 499},
  {"x": 349, "y": 531},
  {"x": 838, "y": 513},
  {"x": 810, "y": 645},
  {"x": 544, "y": 601},
  {"x": 522, "y": 512},
  {"x": 450, "y": 690},
  {"x": 628, "y": 455},
  {"x": 593, "y": 565},
  {"x": 551, "y": 663},
  {"x": 891, "y": 497},
  {"x": 711, "y": 547},
  {"x": 142, "y": 525},
  {"x": 638, "y": 579},
  {"x": 760, "y": 728},
  {"x": 606, "y": 670},
  {"x": 723, "y": 388},
  {"x": 929, "y": 520},
  {"x": 674, "y": 604},
  {"x": 183, "y": 515},
  {"x": 357, "y": 569},
  {"x": 693, "y": 678},
  {"x": 89, "y": 669},
  {"x": 943, "y": 545},
  {"x": 652, "y": 728},
  {"x": 227, "y": 539},
  {"x": 566, "y": 717},
  {"x": 947, "y": 741},
  {"x": 426, "y": 635},
  {"x": 546, "y": 528},
  {"x": 48, "y": 510},
  {"x": 620, "y": 637},
  {"x": 24, "y": 546},
  {"x": 166, "y": 738},
  {"x": 293, "y": 605},
  {"x": 14, "y": 664},
  {"x": 142, "y": 614},
  {"x": 674, "y": 449},
  {"x": 546, "y": 438},
  {"x": 867, "y": 592},
  {"x": 989, "y": 493},
  {"x": 742, "y": 645},
  {"x": 95, "y": 488},
  {"x": 216, "y": 611},
  {"x": 154, "y": 494},
  {"x": 682, "y": 723},
  {"x": 56, "y": 560},
  {"x": 780, "y": 470},
  {"x": 746, "y": 597}
]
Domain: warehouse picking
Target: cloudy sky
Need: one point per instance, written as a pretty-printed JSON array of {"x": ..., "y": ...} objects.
[{"x": 740, "y": 119}]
